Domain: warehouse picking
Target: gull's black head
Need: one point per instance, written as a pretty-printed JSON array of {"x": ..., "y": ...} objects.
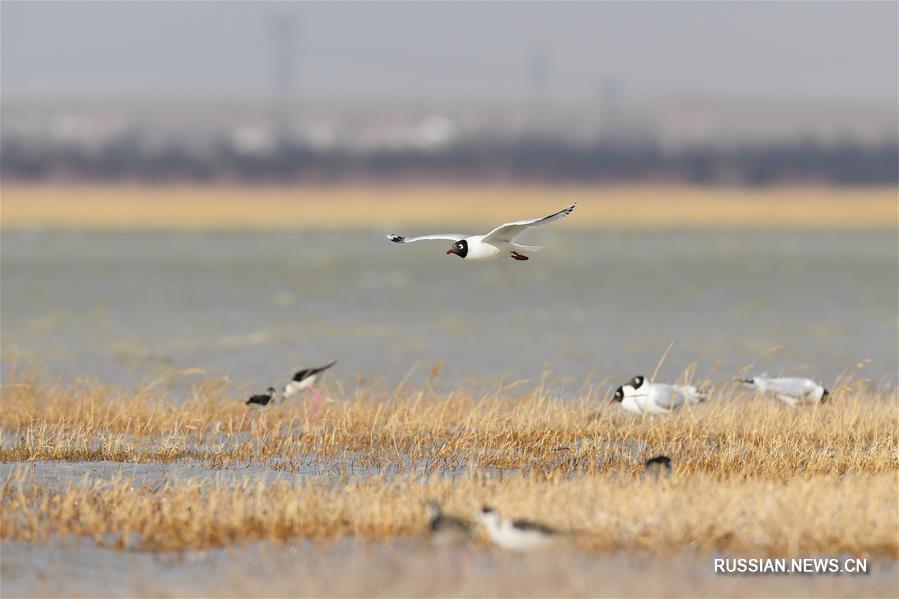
[
  {"x": 637, "y": 381},
  {"x": 619, "y": 394},
  {"x": 270, "y": 391},
  {"x": 460, "y": 248}
]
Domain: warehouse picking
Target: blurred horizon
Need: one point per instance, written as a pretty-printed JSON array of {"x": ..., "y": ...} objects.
[
  {"x": 242, "y": 162},
  {"x": 734, "y": 94}
]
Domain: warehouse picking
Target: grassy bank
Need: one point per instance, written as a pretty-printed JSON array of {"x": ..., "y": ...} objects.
[{"x": 438, "y": 205}]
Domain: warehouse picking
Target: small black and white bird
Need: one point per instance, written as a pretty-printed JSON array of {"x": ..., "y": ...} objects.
[
  {"x": 444, "y": 529},
  {"x": 790, "y": 390},
  {"x": 498, "y": 243},
  {"x": 262, "y": 400},
  {"x": 640, "y": 397},
  {"x": 657, "y": 466},
  {"x": 305, "y": 380},
  {"x": 517, "y": 535}
]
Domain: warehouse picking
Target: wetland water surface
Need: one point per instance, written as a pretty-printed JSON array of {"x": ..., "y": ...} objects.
[
  {"x": 399, "y": 569},
  {"x": 131, "y": 306},
  {"x": 135, "y": 306}
]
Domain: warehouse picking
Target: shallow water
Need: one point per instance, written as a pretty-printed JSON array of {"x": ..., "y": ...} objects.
[
  {"x": 136, "y": 306},
  {"x": 59, "y": 475},
  {"x": 77, "y": 567},
  {"x": 347, "y": 465}
]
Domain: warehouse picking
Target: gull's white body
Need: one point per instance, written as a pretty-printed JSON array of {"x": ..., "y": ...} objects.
[
  {"x": 505, "y": 534},
  {"x": 790, "y": 390},
  {"x": 657, "y": 399},
  {"x": 480, "y": 250},
  {"x": 498, "y": 243}
]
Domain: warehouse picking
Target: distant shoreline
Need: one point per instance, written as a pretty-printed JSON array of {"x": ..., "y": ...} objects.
[{"x": 423, "y": 205}]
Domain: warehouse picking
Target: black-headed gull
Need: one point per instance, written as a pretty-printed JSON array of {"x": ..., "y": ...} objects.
[
  {"x": 639, "y": 396},
  {"x": 498, "y": 243},
  {"x": 262, "y": 400},
  {"x": 444, "y": 529},
  {"x": 516, "y": 535},
  {"x": 790, "y": 390}
]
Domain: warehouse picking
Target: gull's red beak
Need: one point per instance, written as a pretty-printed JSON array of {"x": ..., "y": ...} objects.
[{"x": 449, "y": 251}]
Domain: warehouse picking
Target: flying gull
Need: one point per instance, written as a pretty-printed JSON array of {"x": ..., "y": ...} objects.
[{"x": 498, "y": 243}]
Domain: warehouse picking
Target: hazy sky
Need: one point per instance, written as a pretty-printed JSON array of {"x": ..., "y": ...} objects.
[{"x": 436, "y": 52}]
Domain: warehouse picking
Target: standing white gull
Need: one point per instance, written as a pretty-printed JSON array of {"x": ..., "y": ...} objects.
[
  {"x": 639, "y": 396},
  {"x": 790, "y": 390},
  {"x": 498, "y": 243}
]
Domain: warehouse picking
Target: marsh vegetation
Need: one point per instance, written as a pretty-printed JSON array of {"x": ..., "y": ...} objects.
[{"x": 750, "y": 474}]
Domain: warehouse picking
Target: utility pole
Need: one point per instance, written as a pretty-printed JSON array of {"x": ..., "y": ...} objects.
[
  {"x": 285, "y": 49},
  {"x": 539, "y": 81},
  {"x": 611, "y": 129}
]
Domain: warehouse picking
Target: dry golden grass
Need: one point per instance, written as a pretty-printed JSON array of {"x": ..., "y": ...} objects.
[
  {"x": 425, "y": 205},
  {"x": 751, "y": 474},
  {"x": 811, "y": 514},
  {"x": 532, "y": 432}
]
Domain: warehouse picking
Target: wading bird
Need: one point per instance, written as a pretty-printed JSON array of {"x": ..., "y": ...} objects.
[
  {"x": 305, "y": 380},
  {"x": 444, "y": 529},
  {"x": 262, "y": 400},
  {"x": 657, "y": 466},
  {"x": 516, "y": 535}
]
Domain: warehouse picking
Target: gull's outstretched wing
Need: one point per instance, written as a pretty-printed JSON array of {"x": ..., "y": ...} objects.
[
  {"x": 403, "y": 239},
  {"x": 510, "y": 231}
]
